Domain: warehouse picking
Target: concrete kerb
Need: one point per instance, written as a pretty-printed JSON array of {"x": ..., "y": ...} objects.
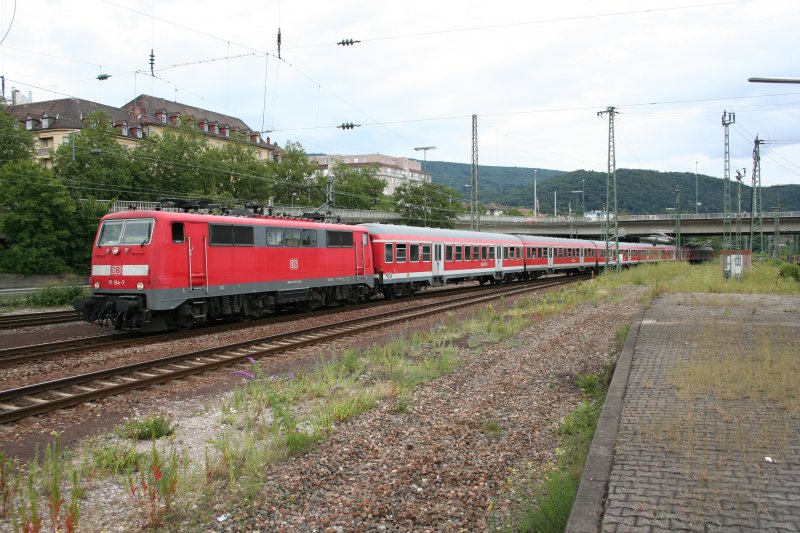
[{"x": 588, "y": 508}]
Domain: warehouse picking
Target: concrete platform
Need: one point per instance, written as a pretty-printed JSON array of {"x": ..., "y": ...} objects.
[{"x": 701, "y": 426}]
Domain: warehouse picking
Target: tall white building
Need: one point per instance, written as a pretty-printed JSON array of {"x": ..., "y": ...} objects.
[{"x": 393, "y": 170}]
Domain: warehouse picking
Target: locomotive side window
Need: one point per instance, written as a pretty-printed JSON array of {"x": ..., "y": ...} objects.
[
  {"x": 401, "y": 253},
  {"x": 309, "y": 237},
  {"x": 340, "y": 238},
  {"x": 220, "y": 235},
  {"x": 274, "y": 236},
  {"x": 291, "y": 237},
  {"x": 413, "y": 253},
  {"x": 426, "y": 253},
  {"x": 243, "y": 235},
  {"x": 388, "y": 253},
  {"x": 177, "y": 232}
]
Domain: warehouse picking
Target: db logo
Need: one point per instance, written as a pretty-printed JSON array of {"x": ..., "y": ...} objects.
[{"x": 294, "y": 264}]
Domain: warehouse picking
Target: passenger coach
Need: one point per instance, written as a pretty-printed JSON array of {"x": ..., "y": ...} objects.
[{"x": 407, "y": 258}]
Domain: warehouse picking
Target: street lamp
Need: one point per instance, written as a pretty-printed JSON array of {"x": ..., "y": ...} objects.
[
  {"x": 294, "y": 195},
  {"x": 424, "y": 154}
]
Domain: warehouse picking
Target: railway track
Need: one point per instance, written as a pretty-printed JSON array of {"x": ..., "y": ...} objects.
[
  {"x": 35, "y": 399},
  {"x": 109, "y": 341},
  {"x": 38, "y": 319}
]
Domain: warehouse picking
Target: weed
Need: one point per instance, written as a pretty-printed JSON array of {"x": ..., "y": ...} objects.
[
  {"x": 113, "y": 458},
  {"x": 492, "y": 428},
  {"x": 54, "y": 295},
  {"x": 148, "y": 427},
  {"x": 155, "y": 488}
]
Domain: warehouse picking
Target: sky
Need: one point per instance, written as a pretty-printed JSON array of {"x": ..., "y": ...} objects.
[{"x": 535, "y": 73}]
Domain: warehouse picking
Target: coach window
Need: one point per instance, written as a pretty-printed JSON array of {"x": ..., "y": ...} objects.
[
  {"x": 388, "y": 252},
  {"x": 309, "y": 237},
  {"x": 468, "y": 253},
  {"x": 292, "y": 237},
  {"x": 448, "y": 252},
  {"x": 505, "y": 252},
  {"x": 484, "y": 253},
  {"x": 177, "y": 232},
  {"x": 476, "y": 253},
  {"x": 274, "y": 236},
  {"x": 426, "y": 253},
  {"x": 401, "y": 253},
  {"x": 459, "y": 257},
  {"x": 491, "y": 253},
  {"x": 413, "y": 253}
]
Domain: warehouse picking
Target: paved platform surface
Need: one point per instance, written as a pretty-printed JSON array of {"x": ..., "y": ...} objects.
[{"x": 701, "y": 429}]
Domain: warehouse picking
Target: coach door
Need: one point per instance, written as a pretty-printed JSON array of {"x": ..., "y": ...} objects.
[
  {"x": 438, "y": 260},
  {"x": 550, "y": 259},
  {"x": 197, "y": 251},
  {"x": 498, "y": 260}
]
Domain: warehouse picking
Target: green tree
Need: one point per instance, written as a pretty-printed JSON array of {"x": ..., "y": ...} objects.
[
  {"x": 83, "y": 224},
  {"x": 355, "y": 187},
  {"x": 238, "y": 172},
  {"x": 16, "y": 143},
  {"x": 37, "y": 219},
  {"x": 427, "y": 204},
  {"x": 176, "y": 163},
  {"x": 295, "y": 173},
  {"x": 93, "y": 164}
]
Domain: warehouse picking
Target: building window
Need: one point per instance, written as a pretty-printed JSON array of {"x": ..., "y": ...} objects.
[{"x": 45, "y": 121}]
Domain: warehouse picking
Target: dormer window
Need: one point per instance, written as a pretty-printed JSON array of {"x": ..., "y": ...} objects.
[
  {"x": 203, "y": 126},
  {"x": 30, "y": 122},
  {"x": 137, "y": 132},
  {"x": 215, "y": 129},
  {"x": 46, "y": 121},
  {"x": 161, "y": 117},
  {"x": 225, "y": 131},
  {"x": 255, "y": 137},
  {"x": 175, "y": 119},
  {"x": 123, "y": 129}
]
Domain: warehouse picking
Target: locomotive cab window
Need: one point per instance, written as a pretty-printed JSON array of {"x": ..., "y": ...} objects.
[
  {"x": 177, "y": 232},
  {"x": 127, "y": 231}
]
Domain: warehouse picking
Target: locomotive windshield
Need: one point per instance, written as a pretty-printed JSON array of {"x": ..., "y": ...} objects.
[{"x": 126, "y": 231}]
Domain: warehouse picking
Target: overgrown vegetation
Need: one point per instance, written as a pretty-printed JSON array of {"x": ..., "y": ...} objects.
[{"x": 50, "y": 295}]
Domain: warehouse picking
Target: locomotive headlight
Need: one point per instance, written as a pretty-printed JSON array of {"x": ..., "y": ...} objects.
[
  {"x": 96, "y": 284},
  {"x": 115, "y": 250},
  {"x": 140, "y": 286}
]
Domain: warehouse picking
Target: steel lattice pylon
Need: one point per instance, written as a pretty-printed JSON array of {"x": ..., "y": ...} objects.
[
  {"x": 611, "y": 190},
  {"x": 727, "y": 120},
  {"x": 756, "y": 210},
  {"x": 474, "y": 210}
]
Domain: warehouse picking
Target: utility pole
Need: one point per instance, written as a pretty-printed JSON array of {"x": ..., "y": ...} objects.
[
  {"x": 739, "y": 177},
  {"x": 535, "y": 197},
  {"x": 727, "y": 120},
  {"x": 696, "y": 199},
  {"x": 756, "y": 211},
  {"x": 475, "y": 222},
  {"x": 611, "y": 189},
  {"x": 776, "y": 239},
  {"x": 677, "y": 221}
]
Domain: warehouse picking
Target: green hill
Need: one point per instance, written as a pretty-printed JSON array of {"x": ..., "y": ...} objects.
[{"x": 638, "y": 191}]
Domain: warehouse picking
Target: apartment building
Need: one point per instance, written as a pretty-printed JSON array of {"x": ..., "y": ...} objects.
[{"x": 393, "y": 170}]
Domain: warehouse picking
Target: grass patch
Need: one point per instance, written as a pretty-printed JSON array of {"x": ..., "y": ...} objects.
[
  {"x": 112, "y": 458},
  {"x": 50, "y": 295}
]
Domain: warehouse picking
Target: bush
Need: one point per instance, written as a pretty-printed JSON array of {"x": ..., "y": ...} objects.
[
  {"x": 54, "y": 295},
  {"x": 789, "y": 271}
]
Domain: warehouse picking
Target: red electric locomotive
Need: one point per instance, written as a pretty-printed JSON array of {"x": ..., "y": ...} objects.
[{"x": 156, "y": 270}]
